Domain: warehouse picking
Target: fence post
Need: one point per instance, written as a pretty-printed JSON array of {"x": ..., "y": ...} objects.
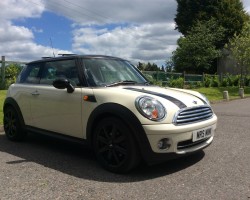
[
  {"x": 220, "y": 77},
  {"x": 3, "y": 72},
  {"x": 184, "y": 77}
]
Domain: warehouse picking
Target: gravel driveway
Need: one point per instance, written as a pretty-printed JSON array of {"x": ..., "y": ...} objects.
[{"x": 44, "y": 168}]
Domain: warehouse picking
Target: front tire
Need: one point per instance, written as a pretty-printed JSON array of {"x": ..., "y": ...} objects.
[
  {"x": 12, "y": 125},
  {"x": 115, "y": 146}
]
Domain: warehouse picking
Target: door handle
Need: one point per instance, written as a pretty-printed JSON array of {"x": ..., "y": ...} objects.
[{"x": 36, "y": 93}]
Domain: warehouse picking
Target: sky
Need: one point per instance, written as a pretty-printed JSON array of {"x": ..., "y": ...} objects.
[{"x": 137, "y": 30}]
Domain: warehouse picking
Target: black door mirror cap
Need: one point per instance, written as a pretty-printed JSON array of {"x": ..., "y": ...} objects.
[{"x": 63, "y": 83}]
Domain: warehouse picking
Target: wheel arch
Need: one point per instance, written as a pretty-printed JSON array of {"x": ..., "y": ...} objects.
[
  {"x": 10, "y": 102},
  {"x": 124, "y": 114}
]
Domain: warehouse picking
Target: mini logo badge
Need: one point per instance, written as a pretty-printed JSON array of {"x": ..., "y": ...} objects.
[{"x": 194, "y": 102}]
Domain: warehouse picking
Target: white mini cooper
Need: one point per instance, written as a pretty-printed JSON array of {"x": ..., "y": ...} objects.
[{"x": 107, "y": 103}]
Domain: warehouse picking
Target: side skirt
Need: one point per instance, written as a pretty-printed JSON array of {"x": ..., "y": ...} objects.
[{"x": 56, "y": 135}]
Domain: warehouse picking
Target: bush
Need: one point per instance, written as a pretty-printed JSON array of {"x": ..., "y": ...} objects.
[
  {"x": 207, "y": 81},
  {"x": 229, "y": 80},
  {"x": 235, "y": 80},
  {"x": 199, "y": 84},
  {"x": 247, "y": 81},
  {"x": 149, "y": 77},
  {"x": 215, "y": 81},
  {"x": 11, "y": 73},
  {"x": 224, "y": 82},
  {"x": 176, "y": 83}
]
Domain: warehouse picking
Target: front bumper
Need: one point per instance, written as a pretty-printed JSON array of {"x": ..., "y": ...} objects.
[{"x": 180, "y": 139}]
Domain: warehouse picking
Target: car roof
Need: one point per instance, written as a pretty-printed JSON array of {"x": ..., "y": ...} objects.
[{"x": 73, "y": 56}]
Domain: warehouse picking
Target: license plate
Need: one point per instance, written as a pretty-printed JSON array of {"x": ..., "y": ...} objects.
[{"x": 202, "y": 134}]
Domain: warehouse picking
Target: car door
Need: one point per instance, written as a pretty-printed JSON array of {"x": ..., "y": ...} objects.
[
  {"x": 27, "y": 82},
  {"x": 54, "y": 109}
]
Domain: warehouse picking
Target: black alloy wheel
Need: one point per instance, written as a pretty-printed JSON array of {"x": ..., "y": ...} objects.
[
  {"x": 115, "y": 146},
  {"x": 12, "y": 125}
]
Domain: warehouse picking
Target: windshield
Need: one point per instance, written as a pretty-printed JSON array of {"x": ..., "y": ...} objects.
[{"x": 111, "y": 72}]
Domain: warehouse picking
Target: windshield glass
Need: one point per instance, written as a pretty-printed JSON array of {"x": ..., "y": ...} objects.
[{"x": 111, "y": 72}]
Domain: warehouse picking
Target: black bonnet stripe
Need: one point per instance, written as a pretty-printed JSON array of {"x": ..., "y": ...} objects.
[
  {"x": 172, "y": 99},
  {"x": 192, "y": 95}
]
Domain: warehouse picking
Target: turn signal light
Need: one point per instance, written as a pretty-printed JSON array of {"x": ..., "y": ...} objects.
[{"x": 85, "y": 98}]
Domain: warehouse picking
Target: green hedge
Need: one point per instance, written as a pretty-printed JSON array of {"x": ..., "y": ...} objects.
[{"x": 208, "y": 81}]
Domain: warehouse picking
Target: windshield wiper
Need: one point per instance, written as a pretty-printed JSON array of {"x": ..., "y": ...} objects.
[{"x": 125, "y": 82}]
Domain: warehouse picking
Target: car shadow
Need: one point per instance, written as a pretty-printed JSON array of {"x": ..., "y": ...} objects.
[{"x": 79, "y": 161}]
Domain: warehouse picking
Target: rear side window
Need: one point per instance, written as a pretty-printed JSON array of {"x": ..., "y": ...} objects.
[{"x": 30, "y": 74}]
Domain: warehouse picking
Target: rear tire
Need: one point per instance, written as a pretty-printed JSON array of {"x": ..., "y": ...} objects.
[
  {"x": 114, "y": 146},
  {"x": 12, "y": 125}
]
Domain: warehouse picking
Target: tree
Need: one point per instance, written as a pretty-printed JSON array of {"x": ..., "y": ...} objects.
[
  {"x": 11, "y": 73},
  {"x": 239, "y": 46},
  {"x": 229, "y": 14},
  {"x": 169, "y": 65},
  {"x": 140, "y": 66},
  {"x": 148, "y": 67},
  {"x": 162, "y": 68},
  {"x": 197, "y": 51}
]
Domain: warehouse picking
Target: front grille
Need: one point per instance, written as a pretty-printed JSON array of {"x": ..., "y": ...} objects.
[
  {"x": 193, "y": 115},
  {"x": 189, "y": 143}
]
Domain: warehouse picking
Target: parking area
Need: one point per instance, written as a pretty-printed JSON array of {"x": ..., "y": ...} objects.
[{"x": 44, "y": 168}]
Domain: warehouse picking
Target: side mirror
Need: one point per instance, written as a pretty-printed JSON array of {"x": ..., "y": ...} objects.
[{"x": 62, "y": 84}]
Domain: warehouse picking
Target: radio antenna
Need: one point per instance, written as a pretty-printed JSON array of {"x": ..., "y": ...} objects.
[{"x": 52, "y": 46}]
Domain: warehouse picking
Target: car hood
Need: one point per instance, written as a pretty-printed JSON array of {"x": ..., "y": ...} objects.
[
  {"x": 171, "y": 98},
  {"x": 179, "y": 97}
]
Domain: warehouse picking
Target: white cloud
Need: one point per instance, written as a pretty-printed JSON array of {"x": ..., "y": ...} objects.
[
  {"x": 10, "y": 33},
  {"x": 27, "y": 51},
  {"x": 147, "y": 42},
  {"x": 137, "y": 29},
  {"x": 16, "y": 9},
  {"x": 17, "y": 42},
  {"x": 115, "y": 11},
  {"x": 246, "y": 4}
]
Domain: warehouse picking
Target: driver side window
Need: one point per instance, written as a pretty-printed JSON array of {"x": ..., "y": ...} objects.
[{"x": 63, "y": 69}]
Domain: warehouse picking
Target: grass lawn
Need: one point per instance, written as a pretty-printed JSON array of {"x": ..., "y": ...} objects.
[
  {"x": 213, "y": 94},
  {"x": 2, "y": 97},
  {"x": 216, "y": 94}
]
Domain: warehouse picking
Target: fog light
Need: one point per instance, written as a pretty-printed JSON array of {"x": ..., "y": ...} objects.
[{"x": 164, "y": 144}]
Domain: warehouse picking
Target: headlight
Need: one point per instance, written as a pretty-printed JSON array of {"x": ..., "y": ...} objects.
[
  {"x": 150, "y": 108},
  {"x": 205, "y": 99}
]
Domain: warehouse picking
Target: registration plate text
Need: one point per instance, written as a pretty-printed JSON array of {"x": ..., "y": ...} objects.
[{"x": 202, "y": 134}]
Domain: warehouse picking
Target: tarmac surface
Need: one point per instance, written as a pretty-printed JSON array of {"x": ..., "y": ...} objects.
[{"x": 45, "y": 168}]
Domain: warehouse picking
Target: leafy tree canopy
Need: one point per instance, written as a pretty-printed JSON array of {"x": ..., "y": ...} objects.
[
  {"x": 148, "y": 67},
  {"x": 197, "y": 51},
  {"x": 11, "y": 73},
  {"x": 230, "y": 14},
  {"x": 169, "y": 65},
  {"x": 239, "y": 46}
]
